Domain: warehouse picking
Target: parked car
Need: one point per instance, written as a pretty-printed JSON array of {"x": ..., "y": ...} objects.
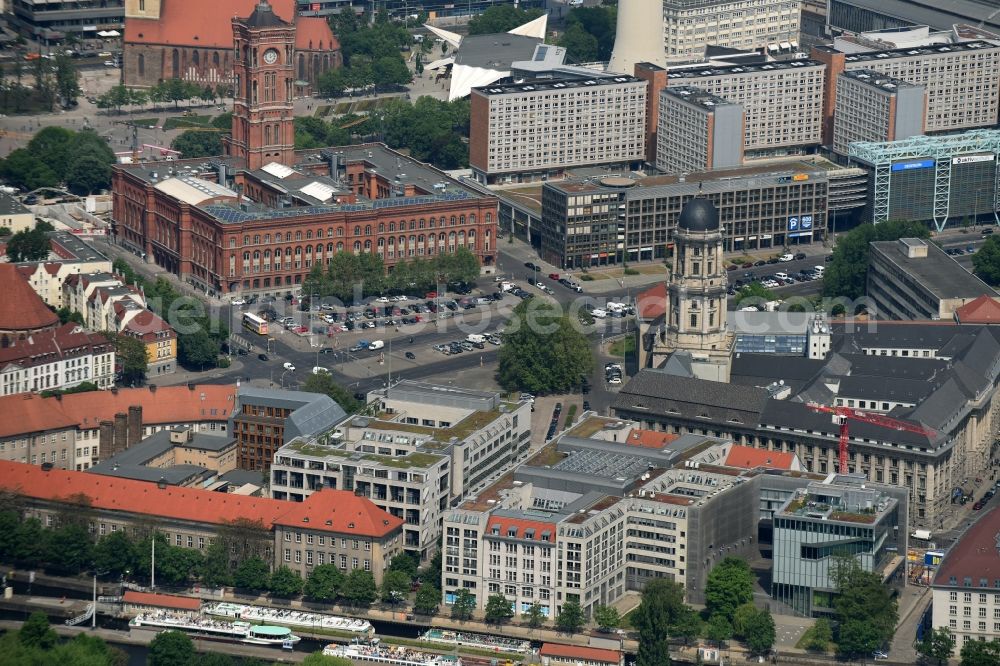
[
  {"x": 788, "y": 256},
  {"x": 410, "y": 355},
  {"x": 800, "y": 255},
  {"x": 987, "y": 231},
  {"x": 288, "y": 366},
  {"x": 262, "y": 357}
]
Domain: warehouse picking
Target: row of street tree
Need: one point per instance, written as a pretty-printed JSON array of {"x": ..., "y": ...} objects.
[{"x": 167, "y": 91}]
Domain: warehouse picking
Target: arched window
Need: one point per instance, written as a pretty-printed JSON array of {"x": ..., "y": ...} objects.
[
  {"x": 246, "y": 240},
  {"x": 215, "y": 60},
  {"x": 420, "y": 240},
  {"x": 302, "y": 67},
  {"x": 452, "y": 220},
  {"x": 246, "y": 257},
  {"x": 267, "y": 238},
  {"x": 288, "y": 253},
  {"x": 413, "y": 240},
  {"x": 368, "y": 230},
  {"x": 309, "y": 250},
  {"x": 298, "y": 251},
  {"x": 357, "y": 246},
  {"x": 381, "y": 243},
  {"x": 329, "y": 248},
  {"x": 421, "y": 223},
  {"x": 402, "y": 241},
  {"x": 175, "y": 64},
  {"x": 142, "y": 65},
  {"x": 381, "y": 227},
  {"x": 329, "y": 232},
  {"x": 309, "y": 234},
  {"x": 256, "y": 239},
  {"x": 472, "y": 218},
  {"x": 461, "y": 219},
  {"x": 357, "y": 231},
  {"x": 368, "y": 245},
  {"x": 319, "y": 249},
  {"x": 340, "y": 231},
  {"x": 267, "y": 135},
  {"x": 392, "y": 241},
  {"x": 298, "y": 235},
  {"x": 489, "y": 218},
  {"x": 195, "y": 58},
  {"x": 256, "y": 255},
  {"x": 472, "y": 234}
]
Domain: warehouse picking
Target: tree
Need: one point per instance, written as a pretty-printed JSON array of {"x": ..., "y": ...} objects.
[
  {"x": 359, "y": 588},
  {"x": 66, "y": 315},
  {"x": 848, "y": 269},
  {"x": 28, "y": 245},
  {"x": 729, "y": 585},
  {"x": 22, "y": 168},
  {"x": 463, "y": 606},
  {"x": 87, "y": 174},
  {"x": 986, "y": 261},
  {"x": 937, "y": 644},
  {"x": 980, "y": 653},
  {"x": 406, "y": 563},
  {"x": 395, "y": 587},
  {"x": 115, "y": 553},
  {"x": 754, "y": 293},
  {"x": 70, "y": 549},
  {"x": 325, "y": 384},
  {"x": 427, "y": 601},
  {"x": 67, "y": 80},
  {"x": 432, "y": 572},
  {"x": 323, "y": 583},
  {"x": 498, "y": 609},
  {"x": 198, "y": 143},
  {"x": 662, "y": 608},
  {"x": 534, "y": 616},
  {"x": 131, "y": 353},
  {"x": 743, "y": 619},
  {"x": 865, "y": 610},
  {"x": 391, "y": 71},
  {"x": 570, "y": 619},
  {"x": 171, "y": 648},
  {"x": 760, "y": 633},
  {"x": 543, "y": 351},
  {"x": 197, "y": 350},
  {"x": 215, "y": 569},
  {"x": 252, "y": 574},
  {"x": 285, "y": 582},
  {"x": 718, "y": 629},
  {"x": 817, "y": 637},
  {"x": 607, "y": 618},
  {"x": 501, "y": 18},
  {"x": 580, "y": 45},
  {"x": 36, "y": 632},
  {"x": 599, "y": 22}
]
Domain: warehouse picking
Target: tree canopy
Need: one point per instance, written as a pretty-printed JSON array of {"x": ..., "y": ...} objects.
[
  {"x": 501, "y": 18},
  {"x": 846, "y": 274},
  {"x": 428, "y": 599},
  {"x": 55, "y": 155},
  {"x": 729, "y": 586},
  {"x": 570, "y": 619},
  {"x": 198, "y": 143},
  {"x": 590, "y": 33},
  {"x": 543, "y": 350},
  {"x": 986, "y": 261},
  {"x": 866, "y": 612},
  {"x": 657, "y": 617},
  {"x": 28, "y": 245},
  {"x": 463, "y": 605},
  {"x": 937, "y": 645},
  {"x": 285, "y": 582},
  {"x": 980, "y": 653},
  {"x": 324, "y": 583},
  {"x": 498, "y": 609},
  {"x": 171, "y": 648},
  {"x": 325, "y": 384},
  {"x": 131, "y": 352}
]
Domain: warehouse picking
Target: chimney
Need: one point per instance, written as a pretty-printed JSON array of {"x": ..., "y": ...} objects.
[
  {"x": 134, "y": 425},
  {"x": 152, "y": 388},
  {"x": 121, "y": 433},
  {"x": 190, "y": 386},
  {"x": 106, "y": 439}
]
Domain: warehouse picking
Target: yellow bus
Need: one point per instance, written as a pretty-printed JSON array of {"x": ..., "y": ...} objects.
[{"x": 252, "y": 322}]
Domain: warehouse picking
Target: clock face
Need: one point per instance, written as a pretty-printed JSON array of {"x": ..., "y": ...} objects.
[{"x": 270, "y": 56}]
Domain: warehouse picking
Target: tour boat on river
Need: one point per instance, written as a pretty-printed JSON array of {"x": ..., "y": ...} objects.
[
  {"x": 290, "y": 618},
  {"x": 207, "y": 628},
  {"x": 390, "y": 654},
  {"x": 479, "y": 641}
]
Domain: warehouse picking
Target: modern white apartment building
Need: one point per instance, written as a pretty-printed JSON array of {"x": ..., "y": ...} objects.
[
  {"x": 690, "y": 25},
  {"x": 431, "y": 445},
  {"x": 534, "y": 130},
  {"x": 697, "y": 131},
  {"x": 782, "y": 101},
  {"x": 874, "y": 107},
  {"x": 960, "y": 81}
]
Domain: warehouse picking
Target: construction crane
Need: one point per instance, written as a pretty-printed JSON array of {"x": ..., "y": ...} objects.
[{"x": 841, "y": 415}]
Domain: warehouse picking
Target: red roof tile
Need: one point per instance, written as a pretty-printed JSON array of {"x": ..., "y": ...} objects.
[
  {"x": 649, "y": 439},
  {"x": 191, "y": 504},
  {"x": 146, "y": 325},
  {"x": 652, "y": 303},
  {"x": 312, "y": 33},
  {"x": 162, "y": 600},
  {"x": 340, "y": 513},
  {"x": 522, "y": 525},
  {"x": 67, "y": 341},
  {"x": 975, "y": 556},
  {"x": 983, "y": 310},
  {"x": 163, "y": 405},
  {"x": 21, "y": 309},
  {"x": 213, "y": 28},
  {"x": 749, "y": 457},
  {"x": 560, "y": 651}
]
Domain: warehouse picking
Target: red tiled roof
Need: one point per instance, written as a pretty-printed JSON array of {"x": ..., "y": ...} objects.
[
  {"x": 312, "y": 33},
  {"x": 983, "y": 310},
  {"x": 560, "y": 651},
  {"x": 162, "y": 600},
  {"x": 165, "y": 405},
  {"x": 649, "y": 439},
  {"x": 749, "y": 457},
  {"x": 342, "y": 512},
  {"x": 21, "y": 309},
  {"x": 652, "y": 303},
  {"x": 209, "y": 24},
  {"x": 975, "y": 556},
  {"x": 67, "y": 341},
  {"x": 191, "y": 504},
  {"x": 147, "y": 323},
  {"x": 522, "y": 525}
]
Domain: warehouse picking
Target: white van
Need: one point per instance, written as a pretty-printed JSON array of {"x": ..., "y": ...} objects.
[
  {"x": 598, "y": 314},
  {"x": 819, "y": 270},
  {"x": 375, "y": 344},
  {"x": 781, "y": 276}
]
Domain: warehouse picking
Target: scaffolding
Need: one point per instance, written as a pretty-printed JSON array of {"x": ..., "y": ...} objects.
[{"x": 941, "y": 149}]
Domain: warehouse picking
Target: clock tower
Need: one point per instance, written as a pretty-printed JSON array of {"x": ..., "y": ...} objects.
[{"x": 263, "y": 118}]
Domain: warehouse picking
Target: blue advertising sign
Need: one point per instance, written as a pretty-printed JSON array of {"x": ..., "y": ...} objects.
[
  {"x": 807, "y": 221},
  {"x": 918, "y": 164},
  {"x": 793, "y": 223}
]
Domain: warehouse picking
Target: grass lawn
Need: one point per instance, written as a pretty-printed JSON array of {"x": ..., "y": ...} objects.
[
  {"x": 802, "y": 639},
  {"x": 188, "y": 121},
  {"x": 146, "y": 122},
  {"x": 619, "y": 348},
  {"x": 342, "y": 108},
  {"x": 323, "y": 110}
]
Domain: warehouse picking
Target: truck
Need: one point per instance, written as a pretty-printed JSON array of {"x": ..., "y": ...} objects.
[
  {"x": 921, "y": 535},
  {"x": 375, "y": 344},
  {"x": 475, "y": 338}
]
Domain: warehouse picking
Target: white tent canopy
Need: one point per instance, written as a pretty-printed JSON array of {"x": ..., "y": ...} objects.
[
  {"x": 438, "y": 64},
  {"x": 453, "y": 39},
  {"x": 109, "y": 33},
  {"x": 465, "y": 78},
  {"x": 534, "y": 28}
]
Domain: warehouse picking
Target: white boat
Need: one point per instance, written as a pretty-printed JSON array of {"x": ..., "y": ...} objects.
[
  {"x": 388, "y": 654},
  {"x": 290, "y": 618},
  {"x": 479, "y": 641},
  {"x": 217, "y": 630}
]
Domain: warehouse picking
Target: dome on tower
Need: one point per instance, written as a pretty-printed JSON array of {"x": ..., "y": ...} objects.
[{"x": 699, "y": 215}]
